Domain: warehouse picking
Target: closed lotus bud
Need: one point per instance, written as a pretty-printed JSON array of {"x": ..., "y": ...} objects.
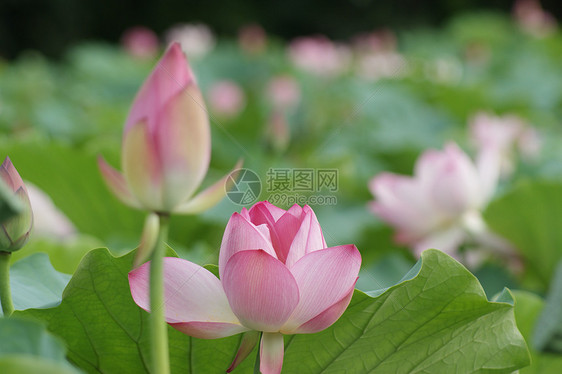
[
  {"x": 166, "y": 144},
  {"x": 15, "y": 230}
]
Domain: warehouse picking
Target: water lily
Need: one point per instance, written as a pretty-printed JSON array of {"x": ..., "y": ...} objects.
[
  {"x": 166, "y": 144},
  {"x": 440, "y": 206},
  {"x": 14, "y": 232},
  {"x": 277, "y": 276}
]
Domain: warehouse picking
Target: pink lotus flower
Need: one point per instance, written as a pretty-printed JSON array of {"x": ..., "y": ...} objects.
[
  {"x": 533, "y": 19},
  {"x": 166, "y": 144},
  {"x": 196, "y": 39},
  {"x": 140, "y": 42},
  {"x": 276, "y": 276},
  {"x": 14, "y": 231},
  {"x": 500, "y": 137},
  {"x": 440, "y": 206},
  {"x": 283, "y": 92},
  {"x": 319, "y": 55},
  {"x": 226, "y": 98}
]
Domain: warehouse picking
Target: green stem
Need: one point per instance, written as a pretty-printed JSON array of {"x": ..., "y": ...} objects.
[
  {"x": 158, "y": 326},
  {"x": 5, "y": 292},
  {"x": 257, "y": 364}
]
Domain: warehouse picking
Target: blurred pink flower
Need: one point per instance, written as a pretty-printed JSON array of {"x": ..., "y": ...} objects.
[
  {"x": 276, "y": 276},
  {"x": 374, "y": 66},
  {"x": 440, "y": 206},
  {"x": 196, "y": 40},
  {"x": 278, "y": 131},
  {"x": 252, "y": 39},
  {"x": 166, "y": 144},
  {"x": 140, "y": 42},
  {"x": 226, "y": 98},
  {"x": 319, "y": 55},
  {"x": 501, "y": 137},
  {"x": 14, "y": 232},
  {"x": 533, "y": 19},
  {"x": 48, "y": 220},
  {"x": 284, "y": 92}
]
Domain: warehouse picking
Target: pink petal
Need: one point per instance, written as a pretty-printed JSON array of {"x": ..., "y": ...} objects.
[
  {"x": 402, "y": 203},
  {"x": 273, "y": 210},
  {"x": 260, "y": 214},
  {"x": 10, "y": 175},
  {"x": 117, "y": 184},
  {"x": 169, "y": 77},
  {"x": 488, "y": 164},
  {"x": 210, "y": 196},
  {"x": 325, "y": 319},
  {"x": 287, "y": 227},
  {"x": 244, "y": 213},
  {"x": 241, "y": 235},
  {"x": 249, "y": 341},
  {"x": 260, "y": 289},
  {"x": 455, "y": 187},
  {"x": 195, "y": 301},
  {"x": 315, "y": 237},
  {"x": 446, "y": 240},
  {"x": 141, "y": 167},
  {"x": 307, "y": 239},
  {"x": 272, "y": 350},
  {"x": 182, "y": 139},
  {"x": 324, "y": 277}
]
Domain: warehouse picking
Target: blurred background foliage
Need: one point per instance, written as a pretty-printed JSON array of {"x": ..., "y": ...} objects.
[
  {"x": 401, "y": 77},
  {"x": 402, "y": 82}
]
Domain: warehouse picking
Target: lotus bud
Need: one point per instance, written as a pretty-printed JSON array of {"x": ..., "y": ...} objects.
[{"x": 15, "y": 230}]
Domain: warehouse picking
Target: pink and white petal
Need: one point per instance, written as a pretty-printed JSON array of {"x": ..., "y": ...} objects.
[
  {"x": 308, "y": 238},
  {"x": 488, "y": 164},
  {"x": 210, "y": 196},
  {"x": 275, "y": 211},
  {"x": 183, "y": 142},
  {"x": 141, "y": 167},
  {"x": 296, "y": 210},
  {"x": 171, "y": 76},
  {"x": 209, "y": 330},
  {"x": 117, "y": 184},
  {"x": 244, "y": 213},
  {"x": 249, "y": 341},
  {"x": 241, "y": 235},
  {"x": 191, "y": 293},
  {"x": 261, "y": 215},
  {"x": 457, "y": 184},
  {"x": 261, "y": 291},
  {"x": 324, "y": 277},
  {"x": 325, "y": 319},
  {"x": 402, "y": 203},
  {"x": 286, "y": 228},
  {"x": 315, "y": 237},
  {"x": 447, "y": 241},
  {"x": 272, "y": 350}
]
